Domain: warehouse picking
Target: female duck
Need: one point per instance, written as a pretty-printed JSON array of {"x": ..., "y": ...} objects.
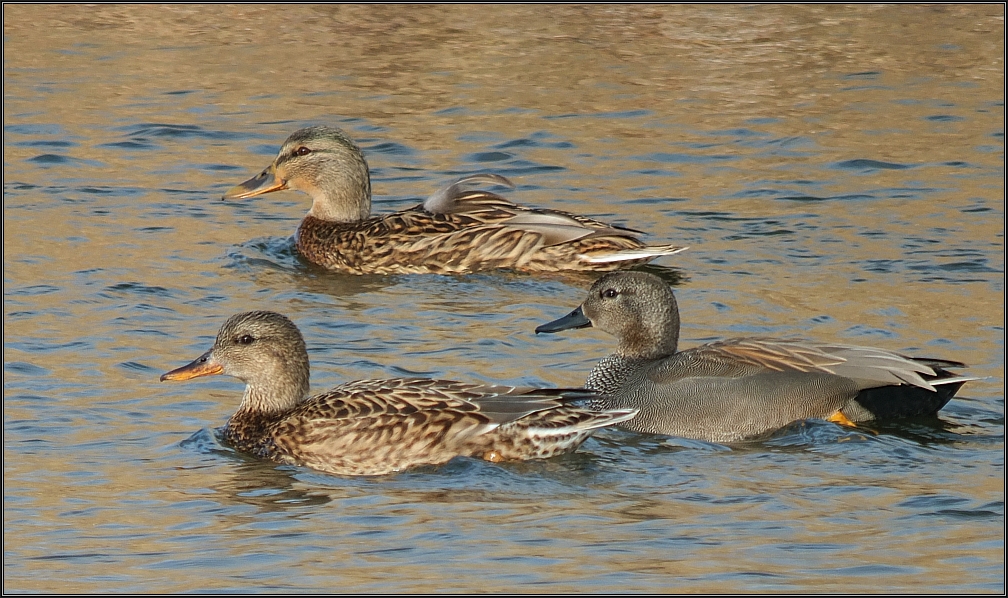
[
  {"x": 739, "y": 388},
  {"x": 372, "y": 427},
  {"x": 455, "y": 230}
]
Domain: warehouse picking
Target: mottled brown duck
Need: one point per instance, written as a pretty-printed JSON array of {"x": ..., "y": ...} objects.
[
  {"x": 744, "y": 387},
  {"x": 458, "y": 229},
  {"x": 373, "y": 427}
]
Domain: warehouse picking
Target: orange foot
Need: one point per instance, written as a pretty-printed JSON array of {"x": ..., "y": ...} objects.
[{"x": 840, "y": 418}]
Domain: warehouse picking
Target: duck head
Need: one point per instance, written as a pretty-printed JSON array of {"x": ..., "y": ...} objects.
[
  {"x": 263, "y": 349},
  {"x": 638, "y": 308},
  {"x": 324, "y": 163}
]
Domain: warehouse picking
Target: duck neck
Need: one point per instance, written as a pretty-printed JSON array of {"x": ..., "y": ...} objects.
[
  {"x": 649, "y": 341},
  {"x": 275, "y": 395},
  {"x": 344, "y": 197}
]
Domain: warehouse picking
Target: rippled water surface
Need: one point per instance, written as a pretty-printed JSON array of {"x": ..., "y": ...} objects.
[{"x": 837, "y": 171}]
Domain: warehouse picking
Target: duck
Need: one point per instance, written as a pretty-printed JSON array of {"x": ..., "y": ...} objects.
[
  {"x": 376, "y": 427},
  {"x": 740, "y": 388},
  {"x": 458, "y": 229}
]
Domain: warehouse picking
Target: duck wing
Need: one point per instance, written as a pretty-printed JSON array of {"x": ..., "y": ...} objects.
[
  {"x": 867, "y": 366},
  {"x": 555, "y": 226},
  {"x": 372, "y": 427},
  {"x": 738, "y": 388}
]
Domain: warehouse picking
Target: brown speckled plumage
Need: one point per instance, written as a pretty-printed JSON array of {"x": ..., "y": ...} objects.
[
  {"x": 739, "y": 388},
  {"x": 456, "y": 230},
  {"x": 372, "y": 427}
]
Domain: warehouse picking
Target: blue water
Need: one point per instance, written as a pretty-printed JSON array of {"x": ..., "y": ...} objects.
[{"x": 853, "y": 195}]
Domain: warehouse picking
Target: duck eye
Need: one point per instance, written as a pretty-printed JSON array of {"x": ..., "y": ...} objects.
[
  {"x": 302, "y": 151},
  {"x": 245, "y": 339},
  {"x": 610, "y": 293}
]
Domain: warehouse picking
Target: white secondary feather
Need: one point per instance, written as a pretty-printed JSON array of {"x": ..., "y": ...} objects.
[
  {"x": 601, "y": 420},
  {"x": 630, "y": 254},
  {"x": 954, "y": 380}
]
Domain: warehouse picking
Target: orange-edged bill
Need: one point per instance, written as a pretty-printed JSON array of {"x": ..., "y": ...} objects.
[
  {"x": 264, "y": 182},
  {"x": 204, "y": 365}
]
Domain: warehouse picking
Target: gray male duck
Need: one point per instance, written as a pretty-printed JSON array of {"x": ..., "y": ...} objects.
[
  {"x": 740, "y": 388},
  {"x": 458, "y": 229}
]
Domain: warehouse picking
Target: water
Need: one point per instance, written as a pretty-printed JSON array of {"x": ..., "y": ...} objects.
[{"x": 837, "y": 172}]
